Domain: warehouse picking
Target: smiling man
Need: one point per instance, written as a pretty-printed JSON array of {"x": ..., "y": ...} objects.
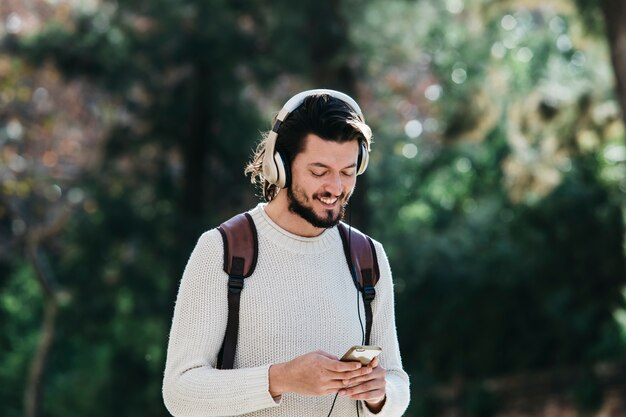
[
  {"x": 300, "y": 308},
  {"x": 325, "y": 175}
]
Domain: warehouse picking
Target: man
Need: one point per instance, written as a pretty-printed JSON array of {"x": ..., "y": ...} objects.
[{"x": 300, "y": 309}]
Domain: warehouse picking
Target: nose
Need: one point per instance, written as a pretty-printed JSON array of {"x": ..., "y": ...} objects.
[{"x": 334, "y": 185}]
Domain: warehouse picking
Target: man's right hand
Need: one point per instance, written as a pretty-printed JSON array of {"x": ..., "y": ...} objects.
[{"x": 314, "y": 374}]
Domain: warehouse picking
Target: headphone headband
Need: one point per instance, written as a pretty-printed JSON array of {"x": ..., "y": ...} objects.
[
  {"x": 295, "y": 101},
  {"x": 274, "y": 169}
]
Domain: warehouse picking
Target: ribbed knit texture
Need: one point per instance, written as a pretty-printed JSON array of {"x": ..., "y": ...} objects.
[{"x": 301, "y": 298}]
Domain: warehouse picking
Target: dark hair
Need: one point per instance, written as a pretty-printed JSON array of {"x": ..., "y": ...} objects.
[{"x": 326, "y": 116}]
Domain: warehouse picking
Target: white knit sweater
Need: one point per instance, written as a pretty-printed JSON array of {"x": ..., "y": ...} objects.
[{"x": 299, "y": 299}]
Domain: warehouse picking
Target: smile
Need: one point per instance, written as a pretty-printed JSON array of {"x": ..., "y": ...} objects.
[{"x": 328, "y": 200}]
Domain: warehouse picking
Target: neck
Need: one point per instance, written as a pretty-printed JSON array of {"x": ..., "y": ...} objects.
[{"x": 278, "y": 211}]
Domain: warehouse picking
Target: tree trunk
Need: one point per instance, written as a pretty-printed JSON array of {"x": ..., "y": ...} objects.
[
  {"x": 614, "y": 12},
  {"x": 33, "y": 397},
  {"x": 196, "y": 145}
]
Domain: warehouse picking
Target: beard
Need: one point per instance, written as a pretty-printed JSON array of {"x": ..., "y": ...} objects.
[{"x": 298, "y": 205}]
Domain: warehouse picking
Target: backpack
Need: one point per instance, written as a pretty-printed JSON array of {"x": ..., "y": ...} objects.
[{"x": 240, "y": 255}]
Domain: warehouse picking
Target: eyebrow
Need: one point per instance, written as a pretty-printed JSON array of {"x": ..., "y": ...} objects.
[{"x": 321, "y": 165}]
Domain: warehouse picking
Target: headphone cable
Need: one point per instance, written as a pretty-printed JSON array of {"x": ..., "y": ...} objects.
[
  {"x": 333, "y": 405},
  {"x": 358, "y": 302},
  {"x": 358, "y": 299},
  {"x": 355, "y": 277}
]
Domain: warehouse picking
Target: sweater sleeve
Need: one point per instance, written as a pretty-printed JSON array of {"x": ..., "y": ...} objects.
[
  {"x": 192, "y": 386},
  {"x": 384, "y": 334}
]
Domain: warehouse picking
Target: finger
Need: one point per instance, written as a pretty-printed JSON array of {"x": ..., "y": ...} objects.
[
  {"x": 374, "y": 396},
  {"x": 370, "y": 382},
  {"x": 373, "y": 363},
  {"x": 344, "y": 377},
  {"x": 376, "y": 373},
  {"x": 347, "y": 375},
  {"x": 363, "y": 386},
  {"x": 363, "y": 392},
  {"x": 370, "y": 390},
  {"x": 333, "y": 386},
  {"x": 353, "y": 382},
  {"x": 339, "y": 366},
  {"x": 357, "y": 377}
]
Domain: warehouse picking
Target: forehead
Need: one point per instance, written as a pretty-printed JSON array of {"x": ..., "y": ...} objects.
[{"x": 327, "y": 152}]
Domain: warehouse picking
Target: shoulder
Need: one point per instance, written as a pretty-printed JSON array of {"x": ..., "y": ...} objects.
[
  {"x": 381, "y": 256},
  {"x": 212, "y": 240},
  {"x": 353, "y": 231},
  {"x": 208, "y": 250},
  {"x": 214, "y": 236},
  {"x": 210, "y": 237}
]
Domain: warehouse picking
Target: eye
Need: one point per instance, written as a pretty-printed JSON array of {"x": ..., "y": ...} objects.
[
  {"x": 349, "y": 173},
  {"x": 318, "y": 173}
]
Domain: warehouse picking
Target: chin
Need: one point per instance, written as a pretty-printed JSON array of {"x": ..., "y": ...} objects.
[
  {"x": 314, "y": 212},
  {"x": 330, "y": 216}
]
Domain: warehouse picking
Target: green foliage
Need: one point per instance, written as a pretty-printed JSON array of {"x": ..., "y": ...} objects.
[
  {"x": 587, "y": 394},
  {"x": 479, "y": 402},
  {"x": 184, "y": 78},
  {"x": 505, "y": 304},
  {"x": 503, "y": 271},
  {"x": 20, "y": 315},
  {"x": 494, "y": 185},
  {"x": 86, "y": 51},
  {"x": 591, "y": 15}
]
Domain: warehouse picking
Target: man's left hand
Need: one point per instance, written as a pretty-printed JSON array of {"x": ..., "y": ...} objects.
[{"x": 369, "y": 388}]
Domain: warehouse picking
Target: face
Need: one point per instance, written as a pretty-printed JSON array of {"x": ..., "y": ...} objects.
[{"x": 323, "y": 176}]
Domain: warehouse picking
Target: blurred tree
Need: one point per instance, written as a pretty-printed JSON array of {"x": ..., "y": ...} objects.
[
  {"x": 43, "y": 151},
  {"x": 498, "y": 175},
  {"x": 313, "y": 42},
  {"x": 498, "y": 192},
  {"x": 186, "y": 79},
  {"x": 613, "y": 16}
]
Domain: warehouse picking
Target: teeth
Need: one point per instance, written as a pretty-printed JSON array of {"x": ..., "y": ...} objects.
[{"x": 328, "y": 200}]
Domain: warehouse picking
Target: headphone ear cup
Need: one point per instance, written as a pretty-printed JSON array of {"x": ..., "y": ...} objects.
[
  {"x": 363, "y": 159},
  {"x": 269, "y": 167},
  {"x": 283, "y": 178},
  {"x": 287, "y": 169}
]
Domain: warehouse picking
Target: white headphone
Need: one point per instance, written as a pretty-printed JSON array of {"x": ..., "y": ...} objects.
[{"x": 275, "y": 171}]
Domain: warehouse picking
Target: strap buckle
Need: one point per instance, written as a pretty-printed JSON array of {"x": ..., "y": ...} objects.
[
  {"x": 369, "y": 293},
  {"x": 235, "y": 284}
]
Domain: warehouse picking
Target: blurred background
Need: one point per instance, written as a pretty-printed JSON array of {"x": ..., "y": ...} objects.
[{"x": 497, "y": 184}]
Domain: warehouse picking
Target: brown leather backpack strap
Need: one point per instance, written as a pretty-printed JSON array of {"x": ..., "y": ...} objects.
[
  {"x": 361, "y": 257},
  {"x": 241, "y": 249}
]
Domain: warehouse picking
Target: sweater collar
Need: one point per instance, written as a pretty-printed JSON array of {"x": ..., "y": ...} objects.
[{"x": 268, "y": 229}]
